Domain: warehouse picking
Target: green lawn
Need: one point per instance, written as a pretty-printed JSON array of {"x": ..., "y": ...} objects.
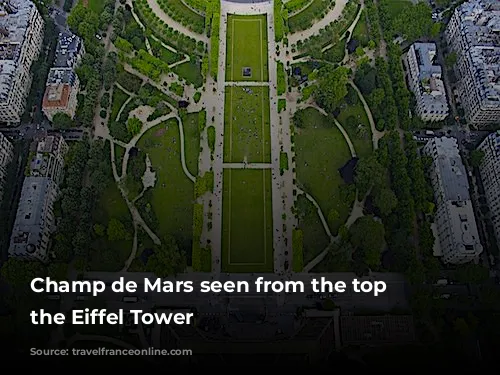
[
  {"x": 395, "y": 7},
  {"x": 247, "y": 221},
  {"x": 320, "y": 151},
  {"x": 360, "y": 32},
  {"x": 247, "y": 48},
  {"x": 336, "y": 53},
  {"x": 247, "y": 125},
  {"x": 119, "y": 153},
  {"x": 315, "y": 237},
  {"x": 96, "y": 5},
  {"x": 108, "y": 255},
  {"x": 163, "y": 53},
  {"x": 191, "y": 72},
  {"x": 172, "y": 196},
  {"x": 119, "y": 98},
  {"x": 355, "y": 121},
  {"x": 192, "y": 141}
]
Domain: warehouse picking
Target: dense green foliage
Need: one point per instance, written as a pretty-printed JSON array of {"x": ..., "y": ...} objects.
[
  {"x": 305, "y": 19},
  {"x": 166, "y": 33},
  {"x": 183, "y": 14},
  {"x": 214, "y": 36}
]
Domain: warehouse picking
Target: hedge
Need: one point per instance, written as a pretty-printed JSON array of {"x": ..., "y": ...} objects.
[{"x": 214, "y": 38}]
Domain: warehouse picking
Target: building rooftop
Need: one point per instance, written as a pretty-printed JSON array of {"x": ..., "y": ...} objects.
[
  {"x": 56, "y": 96},
  {"x": 30, "y": 215},
  {"x": 451, "y": 170},
  {"x": 480, "y": 27},
  {"x": 61, "y": 75},
  {"x": 431, "y": 85},
  {"x": 67, "y": 51},
  {"x": 377, "y": 330},
  {"x": 14, "y": 23}
]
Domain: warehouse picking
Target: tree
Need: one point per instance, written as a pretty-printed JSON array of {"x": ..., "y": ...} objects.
[
  {"x": 333, "y": 216},
  {"x": 386, "y": 201},
  {"x": 298, "y": 119},
  {"x": 167, "y": 259},
  {"x": 332, "y": 87},
  {"x": 476, "y": 158},
  {"x": 436, "y": 29},
  {"x": 62, "y": 121},
  {"x": 117, "y": 231},
  {"x": 472, "y": 273},
  {"x": 99, "y": 230},
  {"x": 461, "y": 327},
  {"x": 134, "y": 125},
  {"x": 19, "y": 273},
  {"x": 450, "y": 59},
  {"x": 369, "y": 173},
  {"x": 58, "y": 271},
  {"x": 368, "y": 237}
]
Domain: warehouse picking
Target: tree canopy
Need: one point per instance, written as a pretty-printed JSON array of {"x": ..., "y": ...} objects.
[{"x": 332, "y": 87}]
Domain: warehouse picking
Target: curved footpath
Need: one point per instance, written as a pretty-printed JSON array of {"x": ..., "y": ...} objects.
[
  {"x": 160, "y": 13},
  {"x": 331, "y": 16}
]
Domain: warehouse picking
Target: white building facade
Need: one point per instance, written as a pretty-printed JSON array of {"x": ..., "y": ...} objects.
[
  {"x": 35, "y": 220},
  {"x": 21, "y": 38},
  {"x": 473, "y": 33},
  {"x": 425, "y": 82},
  {"x": 6, "y": 155},
  {"x": 490, "y": 176},
  {"x": 454, "y": 220}
]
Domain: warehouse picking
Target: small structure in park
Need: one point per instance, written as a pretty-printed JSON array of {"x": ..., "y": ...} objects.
[
  {"x": 347, "y": 172},
  {"x": 352, "y": 45},
  {"x": 247, "y": 72}
]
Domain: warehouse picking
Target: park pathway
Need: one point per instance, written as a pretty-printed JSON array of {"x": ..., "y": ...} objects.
[
  {"x": 247, "y": 166},
  {"x": 160, "y": 13},
  {"x": 350, "y": 32},
  {"x": 376, "y": 135},
  {"x": 331, "y": 16}
]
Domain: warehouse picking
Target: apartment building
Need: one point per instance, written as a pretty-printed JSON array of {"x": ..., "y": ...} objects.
[
  {"x": 425, "y": 82},
  {"x": 35, "y": 219},
  {"x": 21, "y": 37},
  {"x": 455, "y": 225},
  {"x": 490, "y": 175},
  {"x": 62, "y": 83},
  {"x": 6, "y": 154},
  {"x": 473, "y": 33}
]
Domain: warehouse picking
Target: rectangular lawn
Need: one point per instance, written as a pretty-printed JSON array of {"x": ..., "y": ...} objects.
[
  {"x": 247, "y": 48},
  {"x": 246, "y": 125},
  {"x": 247, "y": 221}
]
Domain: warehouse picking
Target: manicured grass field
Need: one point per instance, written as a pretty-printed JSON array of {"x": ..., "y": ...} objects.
[
  {"x": 247, "y": 221},
  {"x": 320, "y": 151},
  {"x": 247, "y": 125},
  {"x": 247, "y": 48},
  {"x": 172, "y": 196}
]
